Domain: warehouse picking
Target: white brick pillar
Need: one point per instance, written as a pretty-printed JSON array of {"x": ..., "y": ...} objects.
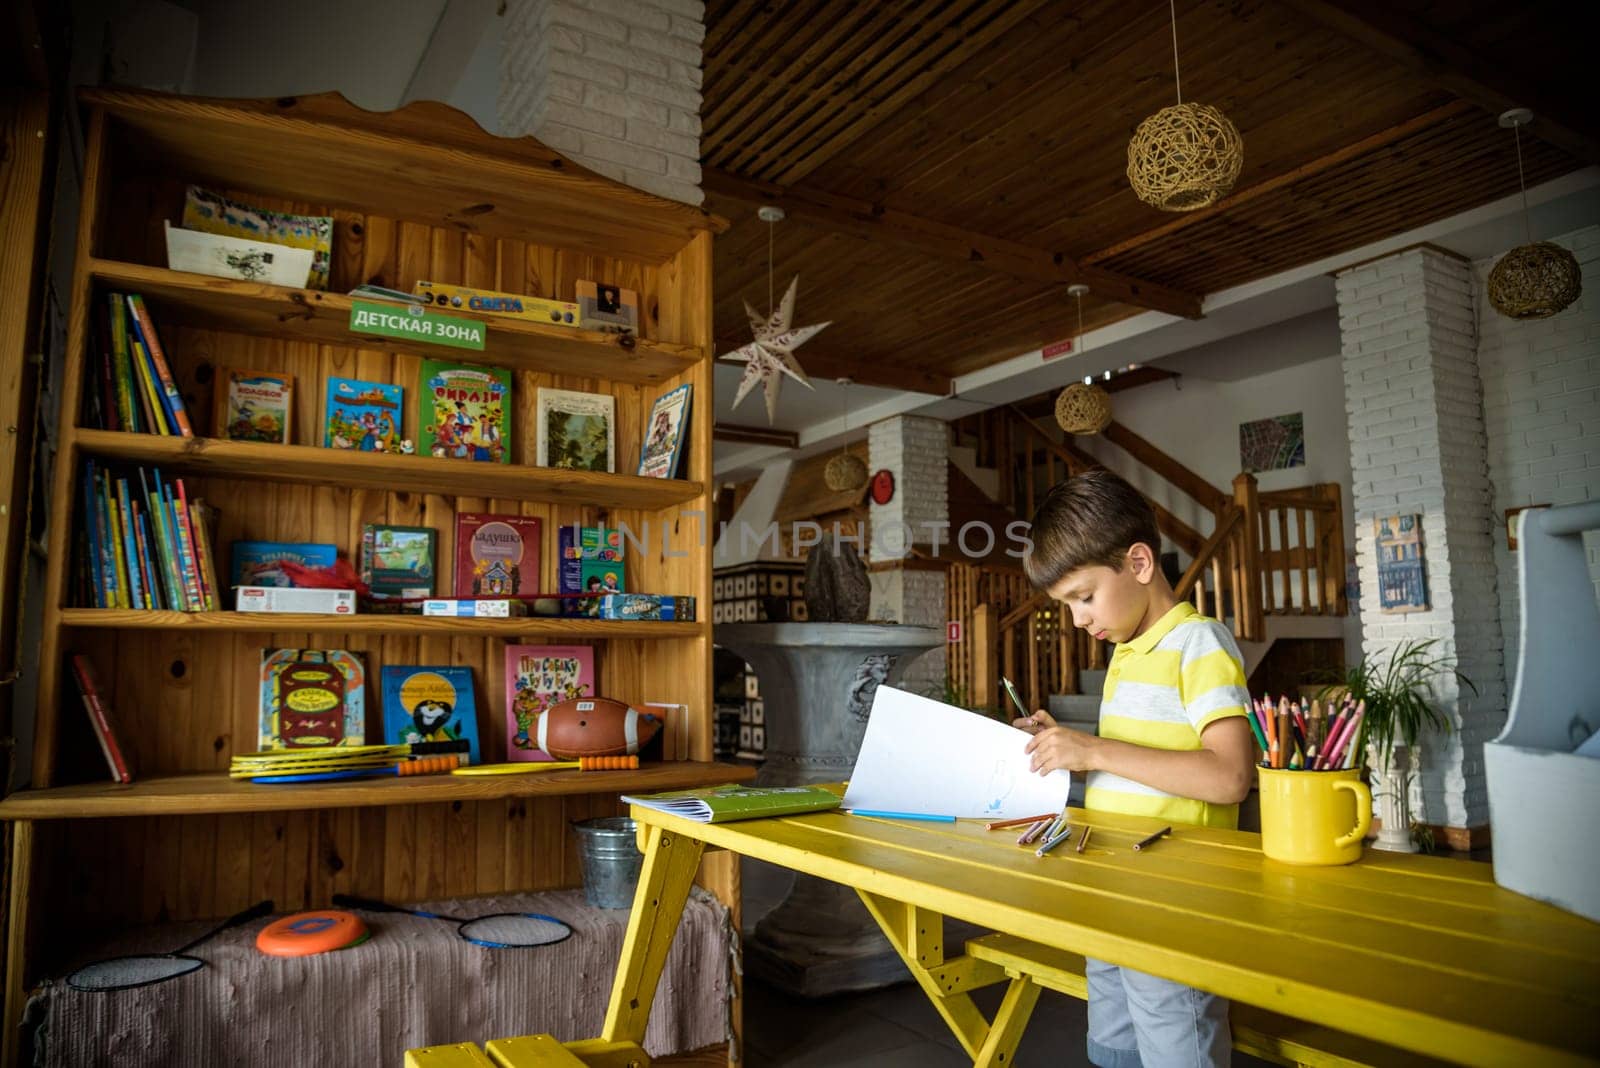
[
  {"x": 1414, "y": 400},
  {"x": 611, "y": 84},
  {"x": 916, "y": 451}
]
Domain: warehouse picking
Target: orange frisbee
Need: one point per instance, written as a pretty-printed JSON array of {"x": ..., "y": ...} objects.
[{"x": 305, "y": 933}]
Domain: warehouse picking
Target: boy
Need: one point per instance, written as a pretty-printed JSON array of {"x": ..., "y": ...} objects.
[{"x": 1173, "y": 742}]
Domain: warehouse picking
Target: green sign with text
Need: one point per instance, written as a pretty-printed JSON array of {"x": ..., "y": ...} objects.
[{"x": 415, "y": 323}]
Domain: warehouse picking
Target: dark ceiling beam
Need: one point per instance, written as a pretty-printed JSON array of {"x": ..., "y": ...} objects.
[
  {"x": 860, "y": 372},
  {"x": 875, "y": 223},
  {"x": 1354, "y": 150},
  {"x": 1560, "y": 118},
  {"x": 755, "y": 435}
]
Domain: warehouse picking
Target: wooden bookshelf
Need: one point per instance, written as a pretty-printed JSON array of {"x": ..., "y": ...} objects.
[
  {"x": 528, "y": 627},
  {"x": 214, "y": 792},
  {"x": 314, "y": 466},
  {"x": 176, "y": 297},
  {"x": 418, "y": 194}
]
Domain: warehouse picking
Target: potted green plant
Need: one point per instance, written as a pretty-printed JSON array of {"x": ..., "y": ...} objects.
[{"x": 1397, "y": 690}]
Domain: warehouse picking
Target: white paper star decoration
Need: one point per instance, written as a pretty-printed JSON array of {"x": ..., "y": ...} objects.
[{"x": 771, "y": 355}]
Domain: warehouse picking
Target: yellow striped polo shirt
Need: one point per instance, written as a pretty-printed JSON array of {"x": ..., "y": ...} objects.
[{"x": 1162, "y": 689}]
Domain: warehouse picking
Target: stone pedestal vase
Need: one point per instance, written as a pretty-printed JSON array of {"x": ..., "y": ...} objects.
[
  {"x": 1391, "y": 795},
  {"x": 817, "y": 684}
]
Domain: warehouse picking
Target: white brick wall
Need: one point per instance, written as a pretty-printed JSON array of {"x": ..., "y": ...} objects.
[
  {"x": 1413, "y": 398},
  {"x": 1541, "y": 407},
  {"x": 612, "y": 84}
]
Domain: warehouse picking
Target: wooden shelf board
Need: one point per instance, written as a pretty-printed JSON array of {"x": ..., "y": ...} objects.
[
  {"x": 308, "y": 464},
  {"x": 447, "y": 626},
  {"x": 213, "y": 792},
  {"x": 426, "y": 162},
  {"x": 202, "y": 300}
]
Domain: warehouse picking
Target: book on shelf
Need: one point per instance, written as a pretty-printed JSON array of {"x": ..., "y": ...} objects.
[
  {"x": 364, "y": 416},
  {"x": 312, "y": 699},
  {"x": 137, "y": 391},
  {"x": 255, "y": 563},
  {"x": 464, "y": 411},
  {"x": 397, "y": 562},
  {"x": 166, "y": 387},
  {"x": 723, "y": 804},
  {"x": 538, "y": 676},
  {"x": 662, "y": 450},
  {"x": 576, "y": 431},
  {"x": 95, "y": 701},
  {"x": 430, "y": 704},
  {"x": 496, "y": 555},
  {"x": 591, "y": 563},
  {"x": 146, "y": 544},
  {"x": 254, "y": 406}
]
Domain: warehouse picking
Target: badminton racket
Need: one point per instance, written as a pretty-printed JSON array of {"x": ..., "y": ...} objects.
[
  {"x": 143, "y": 969},
  {"x": 500, "y": 930}
]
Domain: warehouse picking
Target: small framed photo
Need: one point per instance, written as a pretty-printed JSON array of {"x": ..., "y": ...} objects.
[{"x": 662, "y": 449}]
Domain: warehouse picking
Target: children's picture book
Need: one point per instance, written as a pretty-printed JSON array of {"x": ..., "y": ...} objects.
[
  {"x": 465, "y": 411},
  {"x": 168, "y": 400},
  {"x": 398, "y": 562},
  {"x": 214, "y": 213},
  {"x": 312, "y": 699},
  {"x": 576, "y": 431},
  {"x": 362, "y": 415},
  {"x": 254, "y": 406},
  {"x": 496, "y": 555},
  {"x": 430, "y": 704},
  {"x": 538, "y": 676},
  {"x": 592, "y": 564},
  {"x": 664, "y": 434},
  {"x": 723, "y": 804},
  {"x": 97, "y": 703},
  {"x": 255, "y": 563}
]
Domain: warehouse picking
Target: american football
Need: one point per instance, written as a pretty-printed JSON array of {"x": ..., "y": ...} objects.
[{"x": 595, "y": 726}]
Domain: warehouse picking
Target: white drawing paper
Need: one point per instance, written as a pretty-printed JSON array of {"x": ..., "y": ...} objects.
[{"x": 928, "y": 757}]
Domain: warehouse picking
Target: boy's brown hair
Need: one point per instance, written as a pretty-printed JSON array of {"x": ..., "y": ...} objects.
[{"x": 1091, "y": 518}]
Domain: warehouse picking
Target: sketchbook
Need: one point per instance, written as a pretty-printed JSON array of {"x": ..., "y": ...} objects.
[{"x": 921, "y": 755}]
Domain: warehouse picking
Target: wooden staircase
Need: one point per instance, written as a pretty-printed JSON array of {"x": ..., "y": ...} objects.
[{"x": 1265, "y": 558}]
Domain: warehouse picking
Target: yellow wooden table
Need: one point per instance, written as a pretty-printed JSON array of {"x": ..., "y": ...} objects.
[{"x": 1422, "y": 953}]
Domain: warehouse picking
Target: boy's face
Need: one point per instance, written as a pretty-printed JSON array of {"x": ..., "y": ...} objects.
[{"x": 1112, "y": 605}]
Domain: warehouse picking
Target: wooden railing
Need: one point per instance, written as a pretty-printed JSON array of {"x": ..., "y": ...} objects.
[{"x": 1267, "y": 554}]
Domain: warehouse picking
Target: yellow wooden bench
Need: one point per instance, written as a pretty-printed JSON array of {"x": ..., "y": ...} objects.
[
  {"x": 1258, "y": 1032},
  {"x": 530, "y": 1051}
]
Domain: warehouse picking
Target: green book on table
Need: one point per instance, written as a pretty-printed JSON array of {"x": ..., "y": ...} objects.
[{"x": 720, "y": 804}]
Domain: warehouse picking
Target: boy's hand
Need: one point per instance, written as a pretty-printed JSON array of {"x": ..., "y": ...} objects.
[
  {"x": 1035, "y": 723},
  {"x": 1060, "y": 748}
]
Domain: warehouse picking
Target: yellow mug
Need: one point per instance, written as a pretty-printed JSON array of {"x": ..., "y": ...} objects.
[{"x": 1314, "y": 817}]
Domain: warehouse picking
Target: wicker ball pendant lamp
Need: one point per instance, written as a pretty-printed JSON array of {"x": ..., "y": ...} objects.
[
  {"x": 1083, "y": 407},
  {"x": 1186, "y": 156},
  {"x": 1538, "y": 279},
  {"x": 847, "y": 472}
]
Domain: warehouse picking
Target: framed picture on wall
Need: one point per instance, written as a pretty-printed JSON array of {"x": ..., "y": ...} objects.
[{"x": 1402, "y": 570}]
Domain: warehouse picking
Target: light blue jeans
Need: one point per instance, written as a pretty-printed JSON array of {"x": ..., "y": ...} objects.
[{"x": 1139, "y": 1021}]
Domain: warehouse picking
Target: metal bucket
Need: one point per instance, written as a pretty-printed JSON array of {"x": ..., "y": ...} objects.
[{"x": 611, "y": 860}]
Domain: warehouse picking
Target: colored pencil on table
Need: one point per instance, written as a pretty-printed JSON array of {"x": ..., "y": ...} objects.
[
  {"x": 1146, "y": 843},
  {"x": 1034, "y": 831},
  {"x": 995, "y": 825},
  {"x": 900, "y": 815},
  {"x": 1053, "y": 842},
  {"x": 1085, "y": 839}
]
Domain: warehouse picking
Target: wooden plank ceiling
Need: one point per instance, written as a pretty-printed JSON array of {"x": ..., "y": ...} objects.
[{"x": 950, "y": 165}]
